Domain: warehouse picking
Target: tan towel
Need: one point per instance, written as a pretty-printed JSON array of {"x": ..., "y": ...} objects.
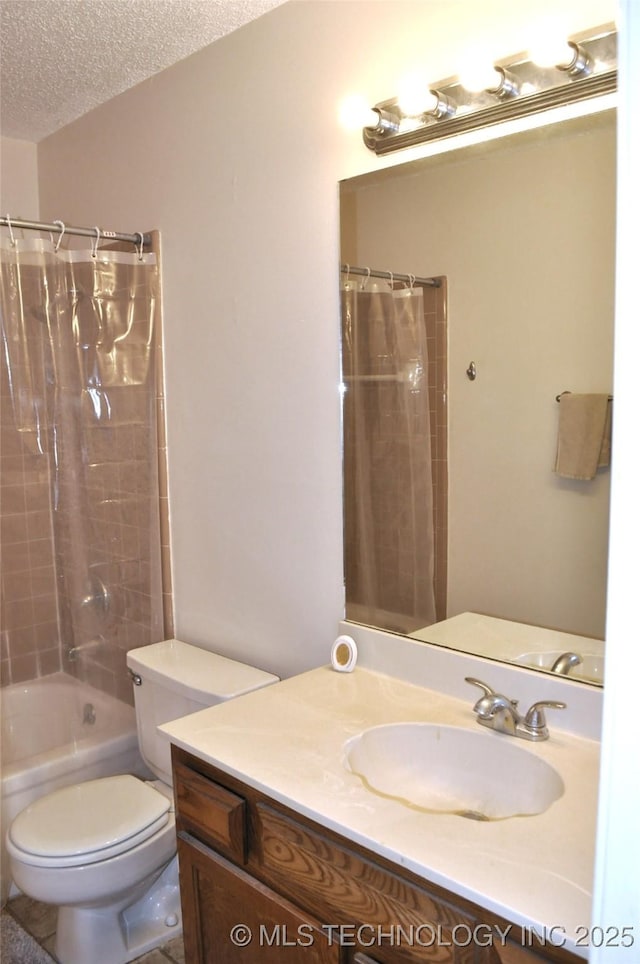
[{"x": 584, "y": 435}]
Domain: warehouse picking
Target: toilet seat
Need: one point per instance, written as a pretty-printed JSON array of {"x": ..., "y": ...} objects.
[{"x": 88, "y": 822}]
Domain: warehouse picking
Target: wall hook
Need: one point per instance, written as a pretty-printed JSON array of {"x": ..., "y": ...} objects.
[{"x": 471, "y": 371}]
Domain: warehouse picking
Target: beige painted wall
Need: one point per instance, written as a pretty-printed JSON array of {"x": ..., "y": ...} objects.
[
  {"x": 235, "y": 155},
  {"x": 18, "y": 178},
  {"x": 525, "y": 233}
]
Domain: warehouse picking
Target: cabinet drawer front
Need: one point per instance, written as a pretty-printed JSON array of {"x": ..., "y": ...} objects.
[
  {"x": 211, "y": 812},
  {"x": 345, "y": 886}
]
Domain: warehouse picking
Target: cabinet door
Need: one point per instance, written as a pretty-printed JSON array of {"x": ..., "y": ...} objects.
[
  {"x": 230, "y": 918},
  {"x": 514, "y": 954}
]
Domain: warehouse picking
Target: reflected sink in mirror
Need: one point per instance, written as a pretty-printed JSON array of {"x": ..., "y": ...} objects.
[
  {"x": 591, "y": 669},
  {"x": 532, "y": 646},
  {"x": 448, "y": 769}
]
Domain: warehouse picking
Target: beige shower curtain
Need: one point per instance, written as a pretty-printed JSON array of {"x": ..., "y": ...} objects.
[
  {"x": 388, "y": 495},
  {"x": 79, "y": 362}
]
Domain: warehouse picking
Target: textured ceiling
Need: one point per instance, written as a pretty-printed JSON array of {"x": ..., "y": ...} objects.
[{"x": 61, "y": 58}]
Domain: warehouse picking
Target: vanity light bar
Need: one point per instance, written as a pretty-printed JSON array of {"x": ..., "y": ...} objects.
[{"x": 523, "y": 87}]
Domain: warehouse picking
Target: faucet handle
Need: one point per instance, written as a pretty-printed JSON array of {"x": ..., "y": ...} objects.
[
  {"x": 478, "y": 682},
  {"x": 535, "y": 720}
]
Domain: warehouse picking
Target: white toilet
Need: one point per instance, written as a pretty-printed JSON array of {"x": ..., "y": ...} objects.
[{"x": 104, "y": 851}]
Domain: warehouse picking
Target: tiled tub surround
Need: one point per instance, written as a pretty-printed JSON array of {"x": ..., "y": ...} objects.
[
  {"x": 288, "y": 742},
  {"x": 121, "y": 483},
  {"x": 29, "y": 630}
]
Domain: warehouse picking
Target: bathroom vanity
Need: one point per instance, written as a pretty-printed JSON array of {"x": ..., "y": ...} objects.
[
  {"x": 262, "y": 883},
  {"x": 286, "y": 853}
]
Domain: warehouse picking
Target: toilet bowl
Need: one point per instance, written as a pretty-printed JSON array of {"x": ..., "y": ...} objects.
[
  {"x": 104, "y": 851},
  {"x": 96, "y": 873}
]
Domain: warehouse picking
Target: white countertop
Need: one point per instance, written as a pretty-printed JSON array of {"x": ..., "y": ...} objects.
[{"x": 287, "y": 740}]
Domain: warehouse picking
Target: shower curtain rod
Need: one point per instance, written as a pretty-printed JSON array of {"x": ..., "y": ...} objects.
[
  {"x": 62, "y": 228},
  {"x": 390, "y": 275}
]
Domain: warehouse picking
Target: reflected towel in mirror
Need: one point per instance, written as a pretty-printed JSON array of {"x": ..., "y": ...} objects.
[{"x": 584, "y": 435}]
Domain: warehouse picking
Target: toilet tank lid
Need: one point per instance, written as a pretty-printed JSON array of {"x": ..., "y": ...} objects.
[{"x": 196, "y": 673}]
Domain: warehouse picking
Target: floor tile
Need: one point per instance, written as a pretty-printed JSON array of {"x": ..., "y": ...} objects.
[
  {"x": 36, "y": 918},
  {"x": 175, "y": 950}
]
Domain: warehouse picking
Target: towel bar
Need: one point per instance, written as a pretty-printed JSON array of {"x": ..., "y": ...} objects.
[{"x": 558, "y": 397}]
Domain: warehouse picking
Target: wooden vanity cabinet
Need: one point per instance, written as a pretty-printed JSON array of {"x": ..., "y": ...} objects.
[{"x": 261, "y": 884}]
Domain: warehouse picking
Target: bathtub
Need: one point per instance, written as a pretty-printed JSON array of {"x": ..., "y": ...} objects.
[{"x": 57, "y": 731}]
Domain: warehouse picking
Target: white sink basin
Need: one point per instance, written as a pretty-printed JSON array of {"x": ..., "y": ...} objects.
[
  {"x": 447, "y": 769},
  {"x": 591, "y": 668}
]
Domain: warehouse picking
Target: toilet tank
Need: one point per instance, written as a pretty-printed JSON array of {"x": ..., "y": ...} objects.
[{"x": 172, "y": 679}]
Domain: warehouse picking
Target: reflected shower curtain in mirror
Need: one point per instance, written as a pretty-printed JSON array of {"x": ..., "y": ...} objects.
[
  {"x": 80, "y": 456},
  {"x": 389, "y": 532}
]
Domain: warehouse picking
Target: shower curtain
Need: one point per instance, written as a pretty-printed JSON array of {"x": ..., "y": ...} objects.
[
  {"x": 79, "y": 394},
  {"x": 388, "y": 495}
]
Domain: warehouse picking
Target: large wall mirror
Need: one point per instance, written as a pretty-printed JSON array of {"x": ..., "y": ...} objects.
[{"x": 458, "y": 528}]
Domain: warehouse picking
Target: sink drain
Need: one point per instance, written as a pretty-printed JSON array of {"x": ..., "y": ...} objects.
[{"x": 473, "y": 815}]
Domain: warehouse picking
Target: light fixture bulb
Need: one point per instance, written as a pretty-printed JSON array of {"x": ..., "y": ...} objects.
[
  {"x": 415, "y": 97},
  {"x": 552, "y": 52},
  {"x": 355, "y": 113},
  {"x": 477, "y": 77},
  {"x": 569, "y": 57}
]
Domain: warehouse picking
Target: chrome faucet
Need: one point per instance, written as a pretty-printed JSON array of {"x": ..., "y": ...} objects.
[
  {"x": 564, "y": 663},
  {"x": 501, "y": 714}
]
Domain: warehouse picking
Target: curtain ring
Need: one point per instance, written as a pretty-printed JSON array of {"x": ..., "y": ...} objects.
[
  {"x": 63, "y": 228},
  {"x": 412, "y": 281},
  {"x": 391, "y": 278},
  {"x": 95, "y": 243},
  {"x": 140, "y": 245},
  {"x": 11, "y": 235},
  {"x": 366, "y": 281}
]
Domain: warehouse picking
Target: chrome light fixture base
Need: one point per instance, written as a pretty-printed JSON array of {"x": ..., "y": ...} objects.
[{"x": 525, "y": 88}]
